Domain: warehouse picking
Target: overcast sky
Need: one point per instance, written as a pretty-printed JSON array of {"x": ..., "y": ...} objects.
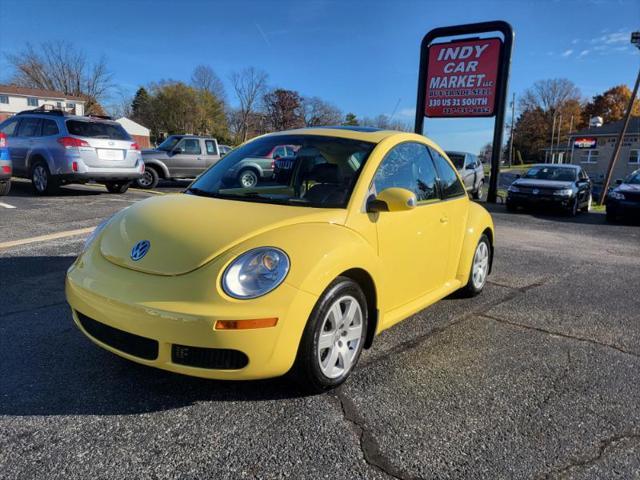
[{"x": 361, "y": 56}]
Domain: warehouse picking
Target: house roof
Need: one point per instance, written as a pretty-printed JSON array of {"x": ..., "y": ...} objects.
[
  {"x": 611, "y": 128},
  {"x": 37, "y": 92},
  {"x": 132, "y": 127}
]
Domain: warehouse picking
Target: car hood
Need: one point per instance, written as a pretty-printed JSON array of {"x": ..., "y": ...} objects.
[
  {"x": 532, "y": 182},
  {"x": 155, "y": 154},
  {"x": 185, "y": 231},
  {"x": 628, "y": 187}
]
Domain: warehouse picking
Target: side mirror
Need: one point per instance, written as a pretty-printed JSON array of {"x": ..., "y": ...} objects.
[
  {"x": 618, "y": 182},
  {"x": 178, "y": 150},
  {"x": 392, "y": 200},
  {"x": 518, "y": 175}
]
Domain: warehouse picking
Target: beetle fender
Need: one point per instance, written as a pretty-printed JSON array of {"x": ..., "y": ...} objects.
[{"x": 478, "y": 221}]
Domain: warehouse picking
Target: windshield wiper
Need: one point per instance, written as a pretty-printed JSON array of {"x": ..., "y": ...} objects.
[{"x": 200, "y": 192}]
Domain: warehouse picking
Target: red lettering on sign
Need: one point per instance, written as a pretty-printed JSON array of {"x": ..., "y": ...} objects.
[{"x": 462, "y": 78}]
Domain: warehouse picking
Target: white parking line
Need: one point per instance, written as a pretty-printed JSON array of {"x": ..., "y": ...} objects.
[
  {"x": 43, "y": 238},
  {"x": 6, "y": 205}
]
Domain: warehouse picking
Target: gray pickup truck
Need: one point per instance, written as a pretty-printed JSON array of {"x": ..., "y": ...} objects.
[{"x": 179, "y": 156}]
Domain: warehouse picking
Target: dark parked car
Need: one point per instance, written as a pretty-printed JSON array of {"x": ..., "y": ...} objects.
[
  {"x": 562, "y": 186},
  {"x": 624, "y": 200}
]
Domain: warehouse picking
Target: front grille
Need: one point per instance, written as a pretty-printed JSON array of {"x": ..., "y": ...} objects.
[
  {"x": 541, "y": 191},
  {"x": 218, "y": 358},
  {"x": 119, "y": 339}
]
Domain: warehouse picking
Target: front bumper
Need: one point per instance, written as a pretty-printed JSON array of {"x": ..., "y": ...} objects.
[
  {"x": 527, "y": 200},
  {"x": 625, "y": 208},
  {"x": 179, "y": 312}
]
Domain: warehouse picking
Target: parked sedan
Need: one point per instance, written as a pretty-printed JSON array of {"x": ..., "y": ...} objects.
[
  {"x": 247, "y": 283},
  {"x": 624, "y": 200},
  {"x": 561, "y": 186},
  {"x": 470, "y": 168}
]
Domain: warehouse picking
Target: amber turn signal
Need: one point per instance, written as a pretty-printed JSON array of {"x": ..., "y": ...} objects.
[{"x": 245, "y": 324}]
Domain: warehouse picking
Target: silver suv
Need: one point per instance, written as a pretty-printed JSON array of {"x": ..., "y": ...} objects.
[
  {"x": 53, "y": 148},
  {"x": 471, "y": 170}
]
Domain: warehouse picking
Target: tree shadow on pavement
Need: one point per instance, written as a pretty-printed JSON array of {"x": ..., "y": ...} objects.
[
  {"x": 48, "y": 367},
  {"x": 24, "y": 189}
]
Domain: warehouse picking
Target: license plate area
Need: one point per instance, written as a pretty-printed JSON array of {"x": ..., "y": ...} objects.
[{"x": 110, "y": 154}]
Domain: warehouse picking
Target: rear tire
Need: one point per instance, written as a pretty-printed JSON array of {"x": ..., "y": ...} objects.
[
  {"x": 149, "y": 179},
  {"x": 477, "y": 194},
  {"x": 5, "y": 187},
  {"x": 587, "y": 207},
  {"x": 117, "y": 187},
  {"x": 333, "y": 338},
  {"x": 248, "y": 178},
  {"x": 480, "y": 266},
  {"x": 573, "y": 210},
  {"x": 42, "y": 181}
]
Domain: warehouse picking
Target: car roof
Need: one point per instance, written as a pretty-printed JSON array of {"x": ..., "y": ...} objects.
[
  {"x": 457, "y": 152},
  {"x": 365, "y": 134},
  {"x": 556, "y": 165}
]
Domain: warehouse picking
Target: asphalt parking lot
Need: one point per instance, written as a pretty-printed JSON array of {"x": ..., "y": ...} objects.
[{"x": 539, "y": 377}]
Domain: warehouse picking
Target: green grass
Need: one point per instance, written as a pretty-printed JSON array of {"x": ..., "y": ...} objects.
[
  {"x": 598, "y": 208},
  {"x": 487, "y": 168}
]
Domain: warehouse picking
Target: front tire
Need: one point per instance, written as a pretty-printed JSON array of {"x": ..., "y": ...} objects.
[
  {"x": 333, "y": 337},
  {"x": 149, "y": 179},
  {"x": 479, "y": 268},
  {"x": 573, "y": 209},
  {"x": 117, "y": 187},
  {"x": 5, "y": 187},
  {"x": 42, "y": 181},
  {"x": 477, "y": 194}
]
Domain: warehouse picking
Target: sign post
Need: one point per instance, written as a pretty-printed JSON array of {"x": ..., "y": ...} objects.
[{"x": 466, "y": 77}]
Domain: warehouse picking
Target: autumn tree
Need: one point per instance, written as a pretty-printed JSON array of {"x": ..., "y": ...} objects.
[
  {"x": 611, "y": 105},
  {"x": 249, "y": 86},
  {"x": 317, "y": 112},
  {"x": 59, "y": 66},
  {"x": 283, "y": 109}
]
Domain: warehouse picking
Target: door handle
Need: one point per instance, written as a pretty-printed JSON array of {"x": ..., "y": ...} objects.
[{"x": 444, "y": 219}]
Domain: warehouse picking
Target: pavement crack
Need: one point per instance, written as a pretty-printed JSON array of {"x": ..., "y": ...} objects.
[
  {"x": 369, "y": 445},
  {"x": 603, "y": 446},
  {"x": 561, "y": 334}
]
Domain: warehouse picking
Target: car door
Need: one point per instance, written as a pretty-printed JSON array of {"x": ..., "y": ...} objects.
[
  {"x": 212, "y": 152},
  {"x": 10, "y": 129},
  {"x": 584, "y": 187},
  {"x": 413, "y": 245},
  {"x": 28, "y": 130},
  {"x": 455, "y": 206},
  {"x": 187, "y": 160}
]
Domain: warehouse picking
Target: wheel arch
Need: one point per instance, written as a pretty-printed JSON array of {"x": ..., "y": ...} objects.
[
  {"x": 479, "y": 222},
  {"x": 367, "y": 284},
  {"x": 160, "y": 167}
]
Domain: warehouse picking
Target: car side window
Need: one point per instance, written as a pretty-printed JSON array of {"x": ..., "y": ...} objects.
[
  {"x": 29, "y": 127},
  {"x": 279, "y": 152},
  {"x": 211, "y": 147},
  {"x": 408, "y": 166},
  {"x": 190, "y": 146},
  {"x": 449, "y": 183},
  {"x": 9, "y": 128},
  {"x": 49, "y": 127}
]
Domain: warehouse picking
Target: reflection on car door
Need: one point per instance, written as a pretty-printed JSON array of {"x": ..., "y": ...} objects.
[
  {"x": 188, "y": 161},
  {"x": 414, "y": 243},
  {"x": 28, "y": 129}
]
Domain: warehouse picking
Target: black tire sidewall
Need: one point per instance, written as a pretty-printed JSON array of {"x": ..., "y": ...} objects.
[
  {"x": 117, "y": 187},
  {"x": 470, "y": 289},
  {"x": 243, "y": 172},
  {"x": 51, "y": 181},
  {"x": 5, "y": 187},
  {"x": 154, "y": 179},
  {"x": 306, "y": 369}
]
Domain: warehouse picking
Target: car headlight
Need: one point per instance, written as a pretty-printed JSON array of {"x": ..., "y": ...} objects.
[
  {"x": 565, "y": 192},
  {"x": 616, "y": 195},
  {"x": 93, "y": 235},
  {"x": 514, "y": 189},
  {"x": 255, "y": 273}
]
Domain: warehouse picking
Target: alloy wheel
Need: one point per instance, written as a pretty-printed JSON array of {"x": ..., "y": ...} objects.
[
  {"x": 340, "y": 337},
  {"x": 39, "y": 178},
  {"x": 480, "y": 265},
  {"x": 146, "y": 180}
]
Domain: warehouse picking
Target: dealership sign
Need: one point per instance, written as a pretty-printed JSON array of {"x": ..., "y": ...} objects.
[
  {"x": 462, "y": 78},
  {"x": 585, "y": 142}
]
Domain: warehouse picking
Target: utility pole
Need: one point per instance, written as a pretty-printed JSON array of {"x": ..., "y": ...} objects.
[
  {"x": 553, "y": 132},
  {"x": 635, "y": 39},
  {"x": 569, "y": 140},
  {"x": 558, "y": 139},
  {"x": 513, "y": 119}
]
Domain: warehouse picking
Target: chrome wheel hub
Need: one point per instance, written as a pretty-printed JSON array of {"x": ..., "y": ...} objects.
[
  {"x": 480, "y": 265},
  {"x": 248, "y": 180},
  {"x": 340, "y": 337},
  {"x": 146, "y": 179}
]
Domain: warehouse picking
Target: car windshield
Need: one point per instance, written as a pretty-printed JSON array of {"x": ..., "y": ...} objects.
[
  {"x": 633, "y": 179},
  {"x": 457, "y": 159},
  {"x": 92, "y": 129},
  {"x": 321, "y": 173},
  {"x": 169, "y": 143},
  {"x": 560, "y": 174}
]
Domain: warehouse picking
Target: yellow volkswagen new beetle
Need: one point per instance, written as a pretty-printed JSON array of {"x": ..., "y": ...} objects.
[{"x": 347, "y": 232}]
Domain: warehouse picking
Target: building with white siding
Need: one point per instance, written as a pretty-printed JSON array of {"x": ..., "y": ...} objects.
[{"x": 14, "y": 99}]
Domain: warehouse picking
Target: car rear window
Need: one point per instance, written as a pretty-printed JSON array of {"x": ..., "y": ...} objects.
[{"x": 97, "y": 130}]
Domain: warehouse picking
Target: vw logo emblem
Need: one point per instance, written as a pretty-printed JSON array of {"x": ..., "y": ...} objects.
[
  {"x": 535, "y": 191},
  {"x": 140, "y": 249}
]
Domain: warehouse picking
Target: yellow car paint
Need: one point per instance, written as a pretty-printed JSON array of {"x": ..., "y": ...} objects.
[{"x": 175, "y": 297}]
